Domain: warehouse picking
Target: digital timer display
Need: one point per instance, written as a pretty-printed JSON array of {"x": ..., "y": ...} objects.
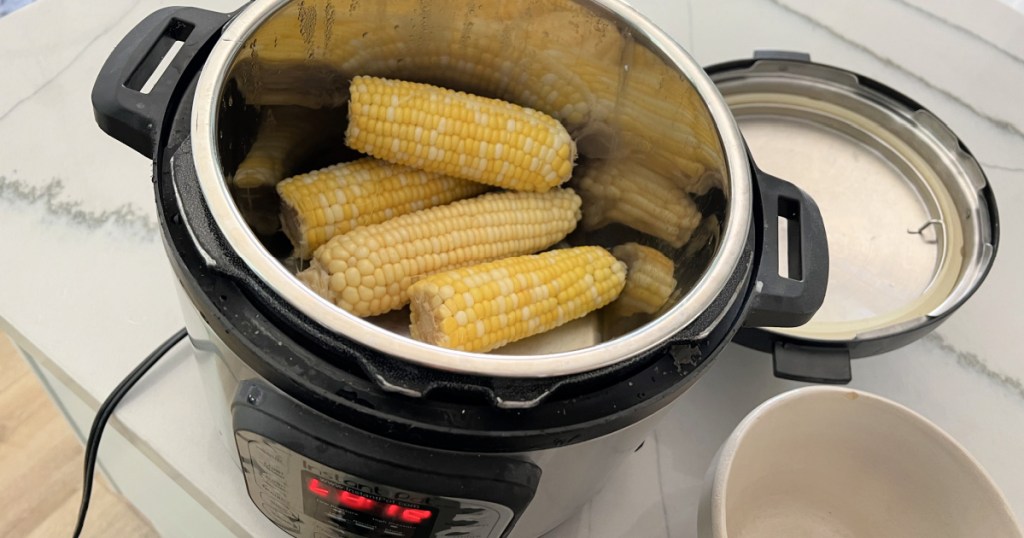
[
  {"x": 362, "y": 503},
  {"x": 365, "y": 514}
]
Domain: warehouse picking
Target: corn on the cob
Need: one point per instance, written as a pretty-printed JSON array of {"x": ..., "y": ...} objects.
[
  {"x": 659, "y": 101},
  {"x": 649, "y": 283},
  {"x": 485, "y": 306},
  {"x": 636, "y": 197},
  {"x": 287, "y": 135},
  {"x": 457, "y": 134},
  {"x": 368, "y": 271},
  {"x": 320, "y": 205},
  {"x": 301, "y": 52},
  {"x": 531, "y": 78}
]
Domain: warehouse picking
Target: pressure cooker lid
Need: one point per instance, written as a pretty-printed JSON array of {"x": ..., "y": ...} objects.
[{"x": 910, "y": 218}]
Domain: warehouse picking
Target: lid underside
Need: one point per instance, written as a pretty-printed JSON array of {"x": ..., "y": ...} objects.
[{"x": 909, "y": 228}]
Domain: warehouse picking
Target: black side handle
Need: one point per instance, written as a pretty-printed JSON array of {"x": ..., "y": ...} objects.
[
  {"x": 122, "y": 110},
  {"x": 789, "y": 300}
]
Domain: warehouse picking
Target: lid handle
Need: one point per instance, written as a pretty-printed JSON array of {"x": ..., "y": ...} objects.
[
  {"x": 812, "y": 365},
  {"x": 782, "y": 55},
  {"x": 124, "y": 108},
  {"x": 788, "y": 300}
]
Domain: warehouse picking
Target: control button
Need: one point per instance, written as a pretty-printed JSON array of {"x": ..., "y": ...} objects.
[
  {"x": 276, "y": 512},
  {"x": 283, "y": 520},
  {"x": 469, "y": 522},
  {"x": 265, "y": 472},
  {"x": 291, "y": 527},
  {"x": 268, "y": 460},
  {"x": 266, "y": 452},
  {"x": 261, "y": 467},
  {"x": 476, "y": 513},
  {"x": 270, "y": 482},
  {"x": 267, "y": 464},
  {"x": 268, "y": 475},
  {"x": 476, "y": 516},
  {"x": 274, "y": 501}
]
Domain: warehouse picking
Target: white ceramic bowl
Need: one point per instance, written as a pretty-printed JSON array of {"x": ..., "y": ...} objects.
[{"x": 829, "y": 462}]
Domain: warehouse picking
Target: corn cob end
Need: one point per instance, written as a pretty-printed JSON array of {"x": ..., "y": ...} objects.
[
  {"x": 427, "y": 315},
  {"x": 318, "y": 280},
  {"x": 291, "y": 224},
  {"x": 650, "y": 281}
]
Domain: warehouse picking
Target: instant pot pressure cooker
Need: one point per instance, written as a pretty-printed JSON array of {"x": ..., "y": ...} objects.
[{"x": 348, "y": 427}]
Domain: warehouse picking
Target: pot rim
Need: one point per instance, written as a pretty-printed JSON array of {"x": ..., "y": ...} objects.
[{"x": 251, "y": 252}]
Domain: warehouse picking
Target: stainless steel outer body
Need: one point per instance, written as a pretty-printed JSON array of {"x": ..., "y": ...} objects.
[
  {"x": 638, "y": 52},
  {"x": 571, "y": 475}
]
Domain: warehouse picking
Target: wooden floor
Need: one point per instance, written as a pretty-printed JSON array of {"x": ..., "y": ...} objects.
[{"x": 41, "y": 466}]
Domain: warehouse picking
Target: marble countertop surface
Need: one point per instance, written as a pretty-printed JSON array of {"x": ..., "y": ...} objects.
[{"x": 86, "y": 289}]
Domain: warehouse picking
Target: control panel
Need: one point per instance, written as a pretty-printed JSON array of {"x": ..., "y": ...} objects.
[
  {"x": 316, "y": 477},
  {"x": 308, "y": 499}
]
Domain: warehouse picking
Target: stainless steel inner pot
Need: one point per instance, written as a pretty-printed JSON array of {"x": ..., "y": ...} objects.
[{"x": 638, "y": 106}]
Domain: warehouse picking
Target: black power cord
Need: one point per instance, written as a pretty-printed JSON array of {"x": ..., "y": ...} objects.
[{"x": 92, "y": 445}]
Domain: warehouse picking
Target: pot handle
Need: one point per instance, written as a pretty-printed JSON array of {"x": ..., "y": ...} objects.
[
  {"x": 791, "y": 300},
  {"x": 788, "y": 300},
  {"x": 122, "y": 109}
]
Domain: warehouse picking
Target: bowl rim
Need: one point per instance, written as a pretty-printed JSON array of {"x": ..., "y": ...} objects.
[{"x": 714, "y": 500}]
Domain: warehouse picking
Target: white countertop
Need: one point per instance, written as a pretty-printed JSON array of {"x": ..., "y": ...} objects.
[{"x": 86, "y": 289}]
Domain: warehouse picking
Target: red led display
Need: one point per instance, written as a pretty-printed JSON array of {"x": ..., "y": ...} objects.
[
  {"x": 393, "y": 511},
  {"x": 413, "y": 515},
  {"x": 355, "y": 501},
  {"x": 317, "y": 488}
]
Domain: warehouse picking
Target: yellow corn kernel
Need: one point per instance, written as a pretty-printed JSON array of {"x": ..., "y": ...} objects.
[
  {"x": 457, "y": 134},
  {"x": 368, "y": 271},
  {"x": 322, "y": 204},
  {"x": 485, "y": 306},
  {"x": 636, "y": 197},
  {"x": 649, "y": 283}
]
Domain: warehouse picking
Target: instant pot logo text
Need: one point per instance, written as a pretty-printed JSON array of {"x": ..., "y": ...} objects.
[{"x": 384, "y": 492}]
